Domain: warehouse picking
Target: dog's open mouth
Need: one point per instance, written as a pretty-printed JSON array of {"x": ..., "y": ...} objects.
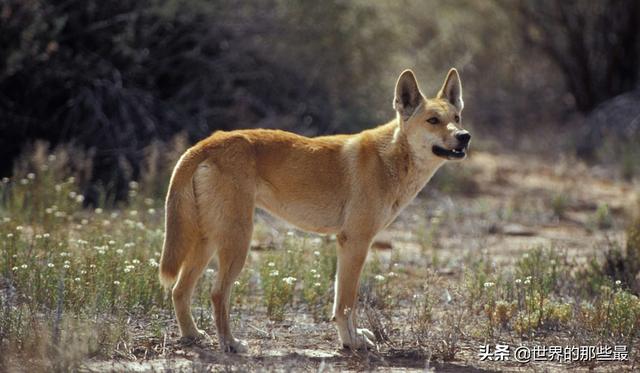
[{"x": 455, "y": 153}]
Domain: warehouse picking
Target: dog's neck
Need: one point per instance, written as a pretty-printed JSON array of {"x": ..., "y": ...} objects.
[{"x": 410, "y": 167}]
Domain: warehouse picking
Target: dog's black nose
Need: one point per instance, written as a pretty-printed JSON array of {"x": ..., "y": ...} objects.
[{"x": 463, "y": 137}]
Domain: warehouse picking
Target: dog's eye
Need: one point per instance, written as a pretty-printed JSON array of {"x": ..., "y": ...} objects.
[
  {"x": 433, "y": 120},
  {"x": 457, "y": 118}
]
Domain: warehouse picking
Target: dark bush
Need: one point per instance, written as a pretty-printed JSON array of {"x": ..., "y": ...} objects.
[{"x": 112, "y": 76}]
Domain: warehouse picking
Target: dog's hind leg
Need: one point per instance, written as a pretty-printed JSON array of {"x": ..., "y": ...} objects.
[
  {"x": 231, "y": 259},
  {"x": 232, "y": 253},
  {"x": 227, "y": 220},
  {"x": 195, "y": 263}
]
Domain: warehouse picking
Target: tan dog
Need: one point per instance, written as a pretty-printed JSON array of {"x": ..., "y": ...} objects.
[{"x": 349, "y": 185}]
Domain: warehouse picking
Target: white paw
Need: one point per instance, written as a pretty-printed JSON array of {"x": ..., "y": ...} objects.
[
  {"x": 196, "y": 336},
  {"x": 233, "y": 345},
  {"x": 363, "y": 339}
]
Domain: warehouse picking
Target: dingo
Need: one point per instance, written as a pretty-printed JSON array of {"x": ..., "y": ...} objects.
[{"x": 349, "y": 185}]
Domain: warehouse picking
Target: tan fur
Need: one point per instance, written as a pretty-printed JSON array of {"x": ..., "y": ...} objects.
[{"x": 349, "y": 185}]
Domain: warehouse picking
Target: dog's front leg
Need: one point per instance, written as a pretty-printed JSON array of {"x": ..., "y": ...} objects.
[{"x": 352, "y": 252}]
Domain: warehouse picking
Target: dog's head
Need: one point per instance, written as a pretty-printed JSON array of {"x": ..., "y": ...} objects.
[{"x": 432, "y": 126}]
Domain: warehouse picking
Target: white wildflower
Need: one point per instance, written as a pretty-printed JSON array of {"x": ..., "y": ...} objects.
[{"x": 289, "y": 280}]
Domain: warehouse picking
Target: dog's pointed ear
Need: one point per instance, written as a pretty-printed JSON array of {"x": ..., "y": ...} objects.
[
  {"x": 408, "y": 94},
  {"x": 452, "y": 90}
]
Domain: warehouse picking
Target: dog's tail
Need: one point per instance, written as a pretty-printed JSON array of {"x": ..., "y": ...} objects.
[{"x": 181, "y": 220}]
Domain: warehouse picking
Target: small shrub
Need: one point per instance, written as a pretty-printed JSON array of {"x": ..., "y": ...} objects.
[
  {"x": 476, "y": 276},
  {"x": 616, "y": 313},
  {"x": 317, "y": 283},
  {"x": 602, "y": 218},
  {"x": 242, "y": 287},
  {"x": 279, "y": 275},
  {"x": 619, "y": 264},
  {"x": 503, "y": 313},
  {"x": 559, "y": 204}
]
